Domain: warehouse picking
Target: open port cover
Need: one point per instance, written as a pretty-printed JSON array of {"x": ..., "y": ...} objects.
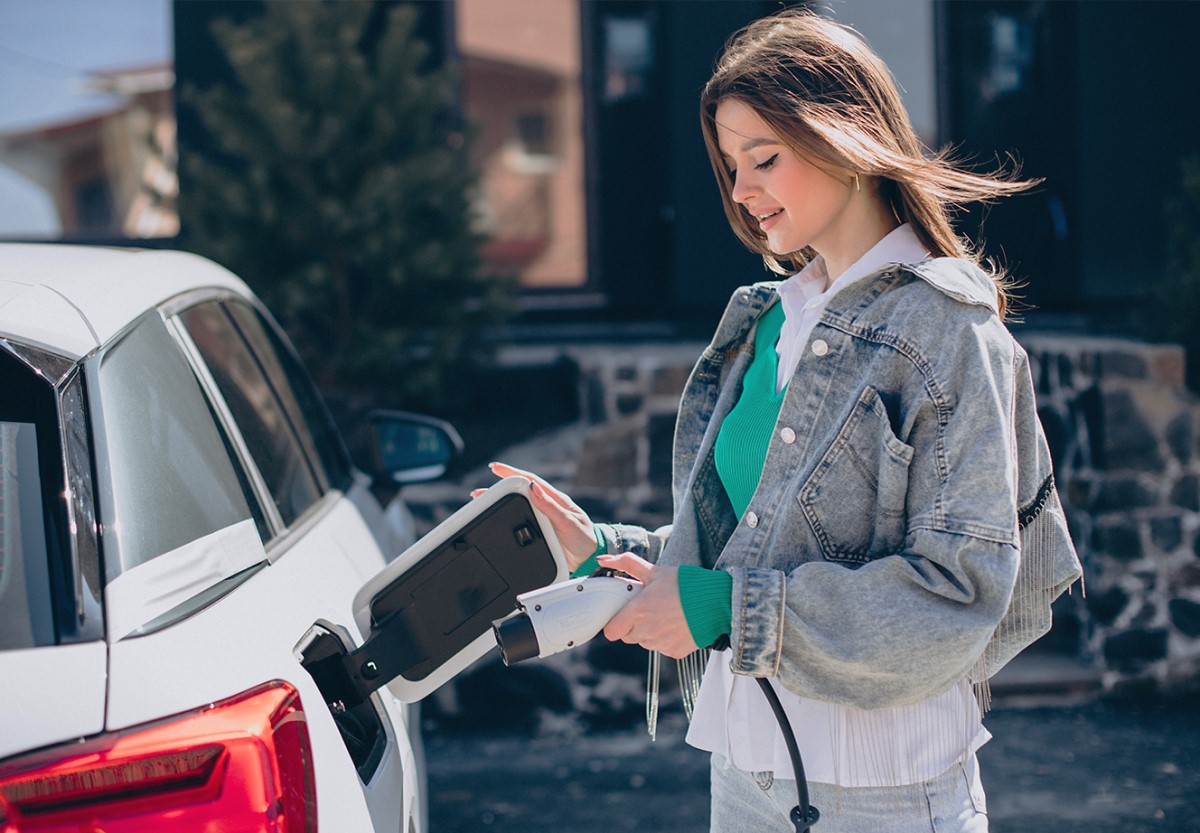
[{"x": 429, "y": 614}]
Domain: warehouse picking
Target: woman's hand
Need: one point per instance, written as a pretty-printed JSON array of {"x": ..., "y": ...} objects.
[
  {"x": 570, "y": 523},
  {"x": 654, "y": 618}
]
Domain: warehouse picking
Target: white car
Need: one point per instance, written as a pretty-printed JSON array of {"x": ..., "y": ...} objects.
[{"x": 182, "y": 534}]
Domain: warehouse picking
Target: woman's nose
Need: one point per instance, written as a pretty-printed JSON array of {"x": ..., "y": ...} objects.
[{"x": 743, "y": 188}]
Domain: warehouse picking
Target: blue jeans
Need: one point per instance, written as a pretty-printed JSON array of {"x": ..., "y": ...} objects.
[{"x": 755, "y": 802}]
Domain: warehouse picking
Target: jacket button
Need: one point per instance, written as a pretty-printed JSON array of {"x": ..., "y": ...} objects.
[
  {"x": 820, "y": 347},
  {"x": 751, "y": 520},
  {"x": 788, "y": 435}
]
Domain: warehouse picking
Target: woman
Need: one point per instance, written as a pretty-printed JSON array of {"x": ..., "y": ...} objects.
[{"x": 864, "y": 507}]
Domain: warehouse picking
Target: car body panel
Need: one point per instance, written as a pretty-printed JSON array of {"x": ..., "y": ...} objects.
[
  {"x": 44, "y": 319},
  {"x": 51, "y": 695},
  {"x": 220, "y": 614},
  {"x": 83, "y": 278},
  {"x": 248, "y": 637}
]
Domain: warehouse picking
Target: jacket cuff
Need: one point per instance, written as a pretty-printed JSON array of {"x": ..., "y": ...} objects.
[
  {"x": 756, "y": 635},
  {"x": 706, "y": 596}
]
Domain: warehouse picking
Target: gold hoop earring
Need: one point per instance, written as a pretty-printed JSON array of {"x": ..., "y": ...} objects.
[{"x": 857, "y": 184}]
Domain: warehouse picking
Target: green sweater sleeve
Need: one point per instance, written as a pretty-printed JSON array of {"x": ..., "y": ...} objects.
[
  {"x": 592, "y": 565},
  {"x": 707, "y": 599}
]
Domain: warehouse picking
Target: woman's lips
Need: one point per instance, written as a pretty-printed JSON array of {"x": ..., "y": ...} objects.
[{"x": 766, "y": 221}]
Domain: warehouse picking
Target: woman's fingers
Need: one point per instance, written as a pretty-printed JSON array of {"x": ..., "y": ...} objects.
[
  {"x": 653, "y": 619},
  {"x": 627, "y": 562},
  {"x": 571, "y": 524},
  {"x": 505, "y": 470}
]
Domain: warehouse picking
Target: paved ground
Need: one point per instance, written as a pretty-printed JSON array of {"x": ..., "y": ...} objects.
[{"x": 1085, "y": 767}]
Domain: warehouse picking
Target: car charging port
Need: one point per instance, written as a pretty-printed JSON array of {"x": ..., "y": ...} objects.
[{"x": 360, "y": 725}]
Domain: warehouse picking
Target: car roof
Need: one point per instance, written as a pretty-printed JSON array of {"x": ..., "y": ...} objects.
[{"x": 71, "y": 299}]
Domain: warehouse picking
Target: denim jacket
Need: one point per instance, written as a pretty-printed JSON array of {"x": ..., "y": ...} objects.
[{"x": 906, "y": 531}]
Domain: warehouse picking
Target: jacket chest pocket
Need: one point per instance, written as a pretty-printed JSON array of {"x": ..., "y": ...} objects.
[{"x": 855, "y": 498}]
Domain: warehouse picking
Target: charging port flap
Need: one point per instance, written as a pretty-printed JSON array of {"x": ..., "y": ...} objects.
[{"x": 428, "y": 614}]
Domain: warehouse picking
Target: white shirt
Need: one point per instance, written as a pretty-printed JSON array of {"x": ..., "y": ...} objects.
[
  {"x": 806, "y": 294},
  {"x": 839, "y": 745}
]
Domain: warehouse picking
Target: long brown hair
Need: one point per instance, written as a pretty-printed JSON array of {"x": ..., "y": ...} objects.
[{"x": 832, "y": 100}]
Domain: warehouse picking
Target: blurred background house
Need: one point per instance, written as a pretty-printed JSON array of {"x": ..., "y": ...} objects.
[
  {"x": 112, "y": 173},
  {"x": 595, "y": 193}
]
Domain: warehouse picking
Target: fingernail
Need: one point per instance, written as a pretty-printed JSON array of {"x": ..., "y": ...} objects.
[
  {"x": 492, "y": 465},
  {"x": 536, "y": 488}
]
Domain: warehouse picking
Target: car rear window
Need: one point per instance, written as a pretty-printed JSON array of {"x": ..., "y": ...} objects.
[
  {"x": 168, "y": 472},
  {"x": 28, "y": 460}
]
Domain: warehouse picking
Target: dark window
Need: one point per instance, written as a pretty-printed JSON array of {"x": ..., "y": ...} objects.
[
  {"x": 296, "y": 391},
  {"x": 533, "y": 132},
  {"x": 262, "y": 419},
  {"x": 169, "y": 476},
  {"x": 1008, "y": 87},
  {"x": 93, "y": 204},
  {"x": 30, "y": 476}
]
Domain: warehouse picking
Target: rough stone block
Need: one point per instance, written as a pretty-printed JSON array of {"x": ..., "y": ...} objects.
[
  {"x": 1168, "y": 365},
  {"x": 1185, "y": 616},
  {"x": 594, "y": 400},
  {"x": 597, "y": 508},
  {"x": 1066, "y": 371},
  {"x": 1078, "y": 491},
  {"x": 1133, "y": 650},
  {"x": 629, "y": 403},
  {"x": 1166, "y": 533},
  {"x": 1127, "y": 439},
  {"x": 670, "y": 381},
  {"x": 609, "y": 456},
  {"x": 1180, "y": 435},
  {"x": 1119, "y": 539},
  {"x": 661, "y": 432},
  {"x": 1145, "y": 616},
  {"x": 1186, "y": 492},
  {"x": 1183, "y": 579},
  {"x": 1123, "y": 363},
  {"x": 1106, "y": 606},
  {"x": 1060, "y": 434},
  {"x": 1120, "y": 494}
]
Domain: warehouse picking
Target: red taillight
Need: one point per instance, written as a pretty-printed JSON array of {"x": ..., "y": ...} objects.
[{"x": 243, "y": 764}]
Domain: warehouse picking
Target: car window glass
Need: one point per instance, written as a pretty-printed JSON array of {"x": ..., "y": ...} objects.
[
  {"x": 169, "y": 479},
  {"x": 297, "y": 392},
  {"x": 26, "y": 619},
  {"x": 260, "y": 417}
]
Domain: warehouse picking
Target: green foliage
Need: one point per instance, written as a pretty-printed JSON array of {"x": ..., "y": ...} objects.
[
  {"x": 1174, "y": 310},
  {"x": 339, "y": 188}
]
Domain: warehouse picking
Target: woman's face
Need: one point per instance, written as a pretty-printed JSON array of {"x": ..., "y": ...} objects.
[{"x": 794, "y": 203}]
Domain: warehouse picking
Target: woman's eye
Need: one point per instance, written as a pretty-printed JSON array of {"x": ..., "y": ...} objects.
[{"x": 762, "y": 166}]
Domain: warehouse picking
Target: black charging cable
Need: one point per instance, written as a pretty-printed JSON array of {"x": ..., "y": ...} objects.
[{"x": 803, "y": 815}]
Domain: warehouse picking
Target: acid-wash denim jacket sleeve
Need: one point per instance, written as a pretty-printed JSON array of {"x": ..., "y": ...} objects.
[{"x": 876, "y": 562}]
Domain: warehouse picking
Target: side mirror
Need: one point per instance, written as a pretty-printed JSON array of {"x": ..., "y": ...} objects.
[{"x": 410, "y": 448}]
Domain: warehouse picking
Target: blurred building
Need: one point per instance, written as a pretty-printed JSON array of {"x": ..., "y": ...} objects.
[
  {"x": 110, "y": 174},
  {"x": 596, "y": 191}
]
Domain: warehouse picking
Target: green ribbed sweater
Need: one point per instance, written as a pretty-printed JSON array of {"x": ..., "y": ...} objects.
[{"x": 740, "y": 452}]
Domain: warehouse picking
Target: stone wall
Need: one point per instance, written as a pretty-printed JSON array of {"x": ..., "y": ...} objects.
[
  {"x": 1125, "y": 435},
  {"x": 1123, "y": 430}
]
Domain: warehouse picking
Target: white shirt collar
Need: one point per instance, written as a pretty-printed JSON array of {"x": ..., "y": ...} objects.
[{"x": 808, "y": 286}]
